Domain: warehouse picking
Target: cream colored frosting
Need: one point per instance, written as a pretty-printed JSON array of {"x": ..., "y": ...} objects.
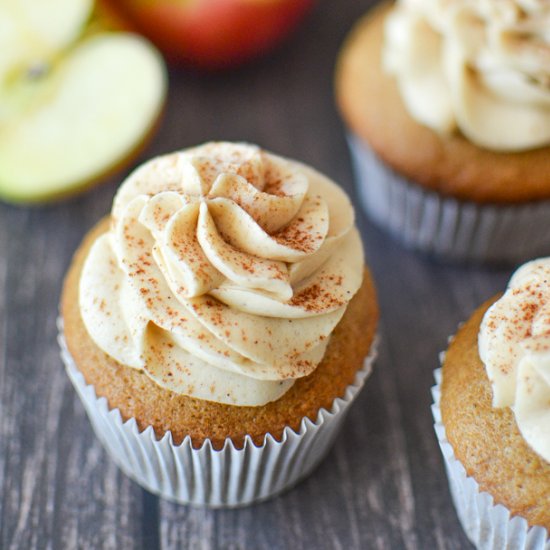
[
  {"x": 514, "y": 344},
  {"x": 224, "y": 273},
  {"x": 480, "y": 66}
]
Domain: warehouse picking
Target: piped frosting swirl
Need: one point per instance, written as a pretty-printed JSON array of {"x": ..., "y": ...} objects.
[
  {"x": 224, "y": 273},
  {"x": 480, "y": 66},
  {"x": 514, "y": 345}
]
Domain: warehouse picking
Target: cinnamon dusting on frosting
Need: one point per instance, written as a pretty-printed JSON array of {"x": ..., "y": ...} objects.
[
  {"x": 514, "y": 344},
  {"x": 207, "y": 265}
]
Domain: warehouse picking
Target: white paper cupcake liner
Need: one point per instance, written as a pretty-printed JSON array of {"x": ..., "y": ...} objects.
[
  {"x": 228, "y": 477},
  {"x": 443, "y": 226},
  {"x": 488, "y": 526}
]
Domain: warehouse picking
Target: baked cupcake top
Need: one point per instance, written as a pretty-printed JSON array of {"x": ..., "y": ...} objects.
[
  {"x": 479, "y": 66},
  {"x": 225, "y": 270},
  {"x": 514, "y": 345}
]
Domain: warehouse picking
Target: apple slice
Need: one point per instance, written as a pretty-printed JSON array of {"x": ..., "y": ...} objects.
[
  {"x": 33, "y": 32},
  {"x": 80, "y": 119}
]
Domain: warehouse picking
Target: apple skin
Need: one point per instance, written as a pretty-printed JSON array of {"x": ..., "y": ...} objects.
[
  {"x": 108, "y": 17},
  {"x": 214, "y": 34}
]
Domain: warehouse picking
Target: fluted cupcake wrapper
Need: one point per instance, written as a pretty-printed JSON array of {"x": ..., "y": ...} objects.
[
  {"x": 488, "y": 526},
  {"x": 229, "y": 477},
  {"x": 443, "y": 226}
]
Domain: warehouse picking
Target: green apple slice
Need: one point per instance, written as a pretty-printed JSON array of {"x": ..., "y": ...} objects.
[
  {"x": 66, "y": 128},
  {"x": 33, "y": 31}
]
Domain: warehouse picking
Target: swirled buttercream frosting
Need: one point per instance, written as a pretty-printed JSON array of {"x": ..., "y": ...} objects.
[
  {"x": 479, "y": 66},
  {"x": 514, "y": 344},
  {"x": 225, "y": 270}
]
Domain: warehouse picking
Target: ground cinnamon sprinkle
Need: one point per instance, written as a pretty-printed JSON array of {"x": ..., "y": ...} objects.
[
  {"x": 207, "y": 172},
  {"x": 171, "y": 312},
  {"x": 274, "y": 187},
  {"x": 315, "y": 298},
  {"x": 296, "y": 238},
  {"x": 247, "y": 265}
]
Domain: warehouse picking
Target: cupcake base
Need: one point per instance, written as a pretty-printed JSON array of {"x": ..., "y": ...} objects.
[
  {"x": 487, "y": 526},
  {"x": 225, "y": 478},
  {"x": 443, "y": 226}
]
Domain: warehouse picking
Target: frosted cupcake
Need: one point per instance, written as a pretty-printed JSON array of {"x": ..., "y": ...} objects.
[
  {"x": 492, "y": 412},
  {"x": 448, "y": 106},
  {"x": 219, "y": 323}
]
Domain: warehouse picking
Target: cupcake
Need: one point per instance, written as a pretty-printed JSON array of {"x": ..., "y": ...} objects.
[
  {"x": 218, "y": 324},
  {"x": 492, "y": 413},
  {"x": 448, "y": 108}
]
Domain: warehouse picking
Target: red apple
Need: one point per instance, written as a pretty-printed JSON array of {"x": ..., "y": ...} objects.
[{"x": 214, "y": 34}]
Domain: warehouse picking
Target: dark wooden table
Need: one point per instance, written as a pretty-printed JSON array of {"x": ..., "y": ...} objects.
[{"x": 382, "y": 486}]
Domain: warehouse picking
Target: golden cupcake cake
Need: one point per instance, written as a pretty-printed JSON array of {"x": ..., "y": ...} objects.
[
  {"x": 219, "y": 322},
  {"x": 447, "y": 104},
  {"x": 492, "y": 412}
]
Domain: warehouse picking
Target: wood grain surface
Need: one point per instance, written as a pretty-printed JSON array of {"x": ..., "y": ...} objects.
[{"x": 382, "y": 486}]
